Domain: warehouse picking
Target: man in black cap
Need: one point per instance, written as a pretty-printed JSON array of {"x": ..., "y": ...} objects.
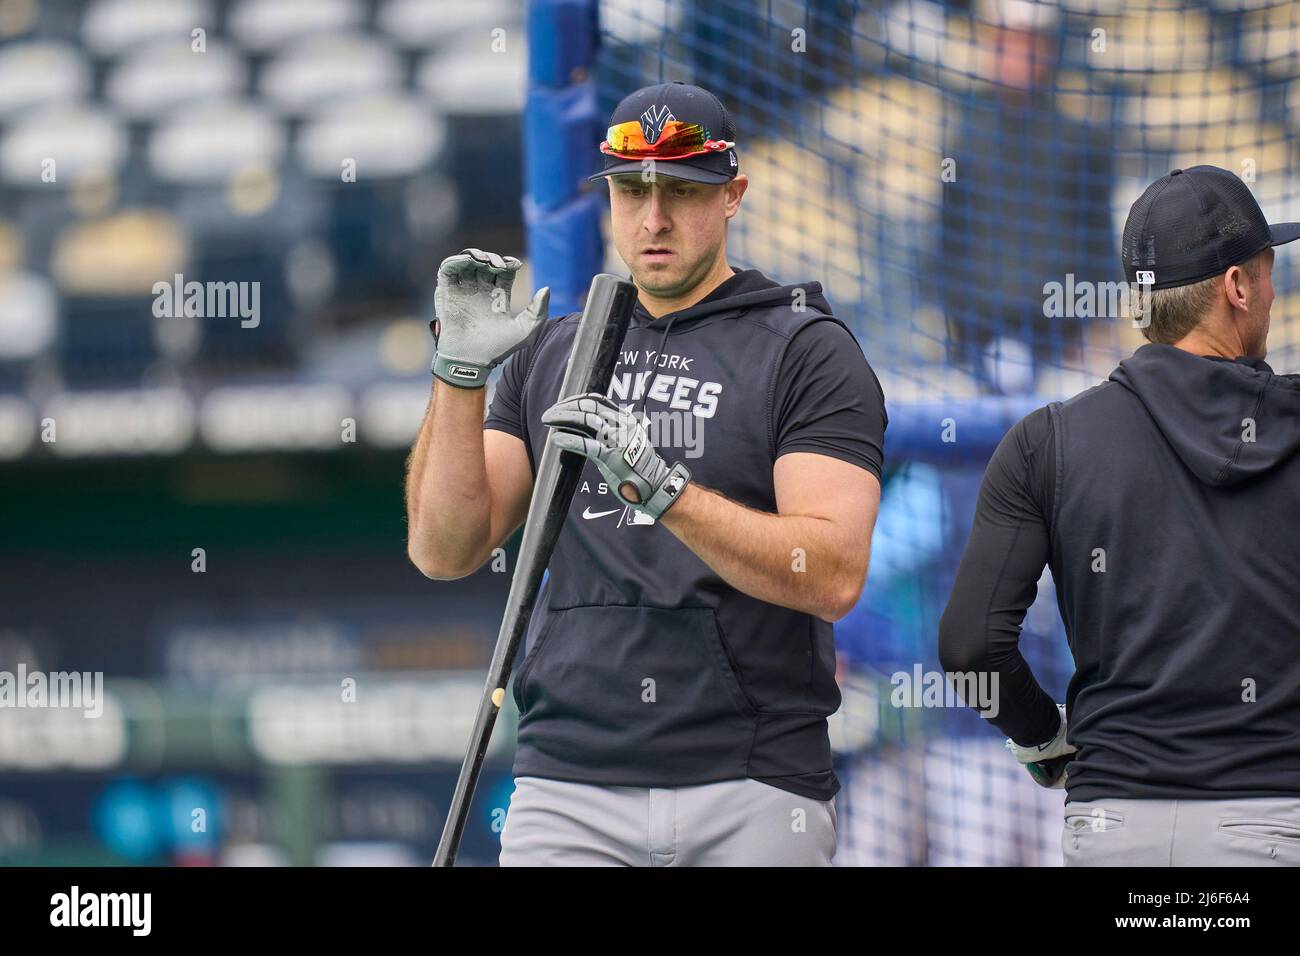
[
  {"x": 679, "y": 667},
  {"x": 1164, "y": 501}
]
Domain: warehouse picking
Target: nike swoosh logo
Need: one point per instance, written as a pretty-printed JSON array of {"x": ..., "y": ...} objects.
[{"x": 588, "y": 513}]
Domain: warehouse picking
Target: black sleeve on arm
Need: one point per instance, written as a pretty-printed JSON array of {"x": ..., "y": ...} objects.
[
  {"x": 828, "y": 400},
  {"x": 506, "y": 413},
  {"x": 998, "y": 576}
]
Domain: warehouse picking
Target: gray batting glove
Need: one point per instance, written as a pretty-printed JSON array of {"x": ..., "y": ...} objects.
[
  {"x": 1046, "y": 763},
  {"x": 474, "y": 330},
  {"x": 617, "y": 442}
]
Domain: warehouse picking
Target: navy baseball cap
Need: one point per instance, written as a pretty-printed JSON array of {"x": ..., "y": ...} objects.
[
  {"x": 1194, "y": 223},
  {"x": 685, "y": 129}
]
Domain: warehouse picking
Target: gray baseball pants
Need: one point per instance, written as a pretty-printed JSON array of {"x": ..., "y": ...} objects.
[
  {"x": 731, "y": 823},
  {"x": 1247, "y": 832}
]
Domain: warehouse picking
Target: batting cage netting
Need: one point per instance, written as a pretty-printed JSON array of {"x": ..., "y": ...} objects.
[{"x": 956, "y": 176}]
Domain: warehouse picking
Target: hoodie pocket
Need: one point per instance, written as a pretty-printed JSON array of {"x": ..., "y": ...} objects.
[
  {"x": 614, "y": 686},
  {"x": 521, "y": 675}
]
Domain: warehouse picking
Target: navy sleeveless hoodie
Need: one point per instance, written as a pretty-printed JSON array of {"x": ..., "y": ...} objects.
[{"x": 642, "y": 667}]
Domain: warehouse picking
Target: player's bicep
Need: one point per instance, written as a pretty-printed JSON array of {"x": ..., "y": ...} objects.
[
  {"x": 846, "y": 495},
  {"x": 510, "y": 483}
]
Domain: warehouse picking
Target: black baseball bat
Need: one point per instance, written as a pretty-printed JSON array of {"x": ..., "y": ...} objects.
[{"x": 591, "y": 366}]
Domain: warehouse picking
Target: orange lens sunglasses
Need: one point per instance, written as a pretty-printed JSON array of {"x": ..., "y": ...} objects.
[{"x": 677, "y": 140}]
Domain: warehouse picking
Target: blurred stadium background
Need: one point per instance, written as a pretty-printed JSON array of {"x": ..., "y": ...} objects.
[{"x": 934, "y": 165}]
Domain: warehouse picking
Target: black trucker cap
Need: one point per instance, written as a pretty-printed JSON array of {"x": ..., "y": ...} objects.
[
  {"x": 1191, "y": 224},
  {"x": 685, "y": 129}
]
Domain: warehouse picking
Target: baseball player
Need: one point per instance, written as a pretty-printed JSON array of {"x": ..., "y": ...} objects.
[
  {"x": 1165, "y": 501},
  {"x": 678, "y": 670}
]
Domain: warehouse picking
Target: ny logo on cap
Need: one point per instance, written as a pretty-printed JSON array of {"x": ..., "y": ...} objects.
[{"x": 652, "y": 122}]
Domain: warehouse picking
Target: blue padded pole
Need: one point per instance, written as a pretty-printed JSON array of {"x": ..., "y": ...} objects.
[{"x": 562, "y": 126}]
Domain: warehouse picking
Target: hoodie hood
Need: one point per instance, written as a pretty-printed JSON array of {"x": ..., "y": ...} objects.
[
  {"x": 744, "y": 290},
  {"x": 1228, "y": 420}
]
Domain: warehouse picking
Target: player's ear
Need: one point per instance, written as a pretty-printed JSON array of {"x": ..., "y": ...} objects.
[
  {"x": 1235, "y": 284},
  {"x": 735, "y": 189}
]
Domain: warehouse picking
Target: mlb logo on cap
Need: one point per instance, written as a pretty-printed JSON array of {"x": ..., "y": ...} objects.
[{"x": 652, "y": 122}]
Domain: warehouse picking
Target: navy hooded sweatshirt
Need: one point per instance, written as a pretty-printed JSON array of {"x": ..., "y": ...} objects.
[
  {"x": 1167, "y": 503},
  {"x": 642, "y": 667}
]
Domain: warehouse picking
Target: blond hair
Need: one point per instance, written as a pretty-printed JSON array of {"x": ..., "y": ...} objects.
[{"x": 1175, "y": 312}]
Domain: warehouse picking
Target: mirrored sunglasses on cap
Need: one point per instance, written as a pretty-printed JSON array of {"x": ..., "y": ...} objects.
[{"x": 677, "y": 140}]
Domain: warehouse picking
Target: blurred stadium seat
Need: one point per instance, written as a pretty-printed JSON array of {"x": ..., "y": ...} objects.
[
  {"x": 324, "y": 67},
  {"x": 263, "y": 25},
  {"x": 161, "y": 76},
  {"x": 28, "y": 322},
  {"x": 414, "y": 24},
  {"x": 111, "y": 28},
  {"x": 40, "y": 72}
]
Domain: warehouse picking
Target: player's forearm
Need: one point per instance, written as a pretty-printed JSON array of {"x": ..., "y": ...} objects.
[
  {"x": 795, "y": 561},
  {"x": 448, "y": 504},
  {"x": 979, "y": 631}
]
